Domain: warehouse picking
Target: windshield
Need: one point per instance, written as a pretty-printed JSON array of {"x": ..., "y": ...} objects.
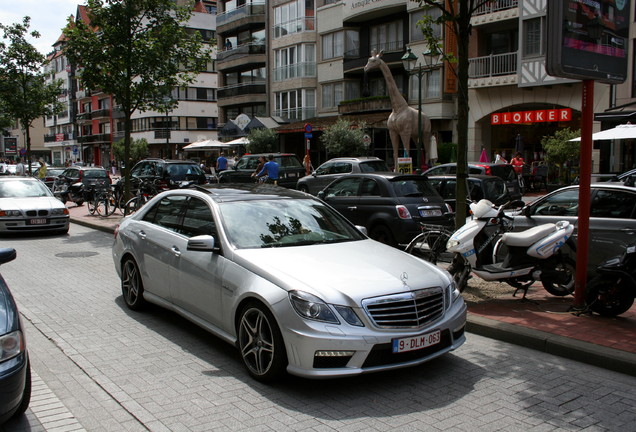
[
  {"x": 372, "y": 166},
  {"x": 179, "y": 172},
  {"x": 284, "y": 222},
  {"x": 413, "y": 187},
  {"x": 23, "y": 189}
]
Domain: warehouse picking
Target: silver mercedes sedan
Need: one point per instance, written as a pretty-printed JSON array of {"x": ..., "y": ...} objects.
[{"x": 288, "y": 280}]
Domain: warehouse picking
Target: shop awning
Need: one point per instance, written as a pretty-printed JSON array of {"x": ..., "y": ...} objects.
[
  {"x": 205, "y": 145},
  {"x": 626, "y": 131}
]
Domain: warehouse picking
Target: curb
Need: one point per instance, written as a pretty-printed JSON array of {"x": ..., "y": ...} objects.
[{"x": 585, "y": 352}]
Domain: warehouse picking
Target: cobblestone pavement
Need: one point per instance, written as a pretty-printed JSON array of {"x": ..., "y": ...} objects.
[{"x": 105, "y": 368}]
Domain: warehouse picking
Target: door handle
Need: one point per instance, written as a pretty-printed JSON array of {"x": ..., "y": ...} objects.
[
  {"x": 176, "y": 251},
  {"x": 628, "y": 230},
  {"x": 352, "y": 208},
  {"x": 142, "y": 235}
]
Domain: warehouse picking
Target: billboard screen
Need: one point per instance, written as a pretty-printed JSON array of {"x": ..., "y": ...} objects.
[
  {"x": 10, "y": 145},
  {"x": 591, "y": 39}
]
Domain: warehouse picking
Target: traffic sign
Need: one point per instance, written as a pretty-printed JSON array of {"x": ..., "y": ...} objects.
[
  {"x": 308, "y": 127},
  {"x": 309, "y": 135},
  {"x": 366, "y": 139}
]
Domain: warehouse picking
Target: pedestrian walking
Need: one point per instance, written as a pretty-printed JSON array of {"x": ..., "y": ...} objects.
[
  {"x": 221, "y": 163},
  {"x": 42, "y": 170},
  {"x": 270, "y": 169},
  {"x": 19, "y": 168}
]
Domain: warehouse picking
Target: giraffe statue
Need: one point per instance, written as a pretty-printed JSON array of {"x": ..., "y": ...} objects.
[{"x": 402, "y": 122}]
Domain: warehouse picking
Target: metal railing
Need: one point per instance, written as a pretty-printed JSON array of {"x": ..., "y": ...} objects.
[
  {"x": 296, "y": 70},
  {"x": 496, "y": 6},
  {"x": 257, "y": 87},
  {"x": 300, "y": 113},
  {"x": 242, "y": 50},
  {"x": 248, "y": 9},
  {"x": 493, "y": 65}
]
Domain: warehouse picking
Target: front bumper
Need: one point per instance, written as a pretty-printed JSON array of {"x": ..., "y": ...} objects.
[
  {"x": 21, "y": 224},
  {"x": 13, "y": 374},
  {"x": 371, "y": 348}
]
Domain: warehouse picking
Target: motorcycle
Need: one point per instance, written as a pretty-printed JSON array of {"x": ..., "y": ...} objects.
[
  {"x": 65, "y": 191},
  {"x": 486, "y": 247},
  {"x": 612, "y": 291}
]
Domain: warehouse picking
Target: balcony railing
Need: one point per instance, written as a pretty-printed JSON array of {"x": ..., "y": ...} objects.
[
  {"x": 297, "y": 70},
  {"x": 249, "y": 9},
  {"x": 389, "y": 46},
  {"x": 296, "y": 25},
  {"x": 496, "y": 6},
  {"x": 242, "y": 89},
  {"x": 105, "y": 112},
  {"x": 493, "y": 65},
  {"x": 94, "y": 138},
  {"x": 300, "y": 113},
  {"x": 372, "y": 104},
  {"x": 242, "y": 50}
]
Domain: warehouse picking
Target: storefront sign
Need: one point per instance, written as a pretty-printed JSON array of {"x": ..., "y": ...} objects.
[
  {"x": 539, "y": 116},
  {"x": 59, "y": 137},
  {"x": 405, "y": 165}
]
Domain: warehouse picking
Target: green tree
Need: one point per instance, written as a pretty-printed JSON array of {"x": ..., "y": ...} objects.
[
  {"x": 262, "y": 140},
  {"x": 138, "y": 151},
  {"x": 24, "y": 93},
  {"x": 559, "y": 150},
  {"x": 136, "y": 50},
  {"x": 455, "y": 17},
  {"x": 340, "y": 139}
]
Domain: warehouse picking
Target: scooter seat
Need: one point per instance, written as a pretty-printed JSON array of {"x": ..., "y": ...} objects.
[{"x": 528, "y": 237}]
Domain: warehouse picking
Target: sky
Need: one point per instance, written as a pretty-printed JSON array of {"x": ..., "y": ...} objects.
[{"x": 48, "y": 17}]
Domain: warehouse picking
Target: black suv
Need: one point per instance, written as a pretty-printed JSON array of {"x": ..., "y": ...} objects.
[
  {"x": 88, "y": 175},
  {"x": 169, "y": 172},
  {"x": 290, "y": 169}
]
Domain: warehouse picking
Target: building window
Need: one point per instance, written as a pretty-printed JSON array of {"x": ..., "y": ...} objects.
[
  {"x": 333, "y": 45},
  {"x": 387, "y": 37},
  {"x": 294, "y": 17},
  {"x": 533, "y": 30},
  {"x": 431, "y": 85},
  {"x": 103, "y": 104},
  {"x": 332, "y": 95},
  {"x": 416, "y": 30},
  {"x": 295, "y": 61},
  {"x": 296, "y": 104}
]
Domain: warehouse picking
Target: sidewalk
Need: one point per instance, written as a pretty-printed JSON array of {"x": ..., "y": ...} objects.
[{"x": 541, "y": 322}]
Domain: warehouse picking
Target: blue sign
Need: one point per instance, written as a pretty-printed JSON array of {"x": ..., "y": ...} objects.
[
  {"x": 74, "y": 149},
  {"x": 308, "y": 135}
]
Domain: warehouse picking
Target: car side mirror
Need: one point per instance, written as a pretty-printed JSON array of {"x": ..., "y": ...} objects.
[
  {"x": 321, "y": 194},
  {"x": 314, "y": 174},
  {"x": 362, "y": 229},
  {"x": 202, "y": 243}
]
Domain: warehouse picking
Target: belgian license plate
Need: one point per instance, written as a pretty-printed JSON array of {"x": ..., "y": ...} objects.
[
  {"x": 429, "y": 213},
  {"x": 37, "y": 221},
  {"x": 416, "y": 342}
]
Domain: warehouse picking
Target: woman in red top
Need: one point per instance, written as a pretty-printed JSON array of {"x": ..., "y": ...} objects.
[{"x": 517, "y": 163}]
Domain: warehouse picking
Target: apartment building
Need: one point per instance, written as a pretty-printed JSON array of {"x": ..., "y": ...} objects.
[{"x": 86, "y": 130}]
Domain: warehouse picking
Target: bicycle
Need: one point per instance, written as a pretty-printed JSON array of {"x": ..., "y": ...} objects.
[
  {"x": 430, "y": 245},
  {"x": 147, "y": 189}
]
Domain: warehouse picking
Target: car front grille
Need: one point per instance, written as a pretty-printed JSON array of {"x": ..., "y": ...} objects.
[
  {"x": 406, "y": 310},
  {"x": 37, "y": 212}
]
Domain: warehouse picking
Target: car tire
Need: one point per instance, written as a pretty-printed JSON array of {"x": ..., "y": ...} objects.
[
  {"x": 383, "y": 234},
  {"x": 132, "y": 287},
  {"x": 261, "y": 343},
  {"x": 26, "y": 394}
]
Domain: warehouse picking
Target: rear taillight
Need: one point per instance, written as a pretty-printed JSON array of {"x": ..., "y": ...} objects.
[
  {"x": 403, "y": 212},
  {"x": 488, "y": 170}
]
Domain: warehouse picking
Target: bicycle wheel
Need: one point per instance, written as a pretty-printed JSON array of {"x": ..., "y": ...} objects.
[
  {"x": 431, "y": 246},
  {"x": 106, "y": 205},
  {"x": 134, "y": 204},
  {"x": 92, "y": 206}
]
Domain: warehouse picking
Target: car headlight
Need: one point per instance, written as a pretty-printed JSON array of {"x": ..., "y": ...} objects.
[
  {"x": 454, "y": 292},
  {"x": 309, "y": 306},
  {"x": 59, "y": 212},
  {"x": 10, "y": 213},
  {"x": 11, "y": 345}
]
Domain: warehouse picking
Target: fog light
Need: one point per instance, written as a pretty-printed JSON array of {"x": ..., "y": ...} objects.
[{"x": 334, "y": 353}]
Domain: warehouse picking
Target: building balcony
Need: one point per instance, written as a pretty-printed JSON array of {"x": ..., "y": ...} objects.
[
  {"x": 298, "y": 70},
  {"x": 300, "y": 113},
  {"x": 105, "y": 112},
  {"x": 254, "y": 10},
  {"x": 372, "y": 104},
  {"x": 242, "y": 90},
  {"x": 58, "y": 137},
  {"x": 496, "y": 6},
  {"x": 241, "y": 51},
  {"x": 496, "y": 11},
  {"x": 493, "y": 65},
  {"x": 93, "y": 139}
]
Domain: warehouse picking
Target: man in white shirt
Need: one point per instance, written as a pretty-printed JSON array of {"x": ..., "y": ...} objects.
[{"x": 19, "y": 168}]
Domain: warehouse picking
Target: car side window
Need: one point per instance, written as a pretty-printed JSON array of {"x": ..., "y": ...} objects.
[
  {"x": 449, "y": 190},
  {"x": 325, "y": 169},
  {"x": 613, "y": 204},
  {"x": 370, "y": 188},
  {"x": 436, "y": 171},
  {"x": 341, "y": 168},
  {"x": 166, "y": 212},
  {"x": 198, "y": 219},
  {"x": 565, "y": 203},
  {"x": 344, "y": 188}
]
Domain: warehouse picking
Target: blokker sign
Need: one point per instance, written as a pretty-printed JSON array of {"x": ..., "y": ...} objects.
[{"x": 539, "y": 116}]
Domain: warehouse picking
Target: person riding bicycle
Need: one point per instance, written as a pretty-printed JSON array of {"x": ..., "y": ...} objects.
[
  {"x": 517, "y": 163},
  {"x": 270, "y": 169}
]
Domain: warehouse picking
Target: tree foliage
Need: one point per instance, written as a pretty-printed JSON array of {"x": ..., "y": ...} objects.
[
  {"x": 559, "y": 149},
  {"x": 138, "y": 150},
  {"x": 340, "y": 139},
  {"x": 136, "y": 50},
  {"x": 24, "y": 93},
  {"x": 262, "y": 140}
]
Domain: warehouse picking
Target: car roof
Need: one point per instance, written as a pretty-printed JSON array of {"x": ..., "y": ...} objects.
[
  {"x": 171, "y": 161},
  {"x": 473, "y": 176},
  {"x": 14, "y": 178},
  {"x": 225, "y": 192},
  {"x": 355, "y": 158},
  {"x": 387, "y": 175},
  {"x": 267, "y": 154}
]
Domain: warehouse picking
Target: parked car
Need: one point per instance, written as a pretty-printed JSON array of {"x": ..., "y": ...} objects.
[
  {"x": 336, "y": 168},
  {"x": 612, "y": 217},
  {"x": 289, "y": 281},
  {"x": 290, "y": 169},
  {"x": 479, "y": 187},
  {"x": 86, "y": 175},
  {"x": 15, "y": 370},
  {"x": 9, "y": 169},
  {"x": 391, "y": 206},
  {"x": 26, "y": 204},
  {"x": 169, "y": 172},
  {"x": 51, "y": 174},
  {"x": 504, "y": 171}
]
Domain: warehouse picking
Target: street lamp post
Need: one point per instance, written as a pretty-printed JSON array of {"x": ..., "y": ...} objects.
[{"x": 409, "y": 60}]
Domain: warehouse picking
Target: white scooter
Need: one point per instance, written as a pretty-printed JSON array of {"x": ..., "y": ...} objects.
[{"x": 486, "y": 247}]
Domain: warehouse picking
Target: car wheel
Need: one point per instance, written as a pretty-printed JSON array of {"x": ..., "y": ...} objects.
[
  {"x": 383, "y": 234},
  {"x": 261, "y": 343},
  {"x": 26, "y": 394},
  {"x": 131, "y": 285}
]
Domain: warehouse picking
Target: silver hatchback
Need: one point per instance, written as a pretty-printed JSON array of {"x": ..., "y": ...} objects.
[{"x": 288, "y": 280}]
